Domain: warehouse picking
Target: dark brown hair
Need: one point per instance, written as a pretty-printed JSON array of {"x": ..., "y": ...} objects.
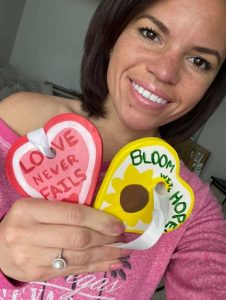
[{"x": 107, "y": 23}]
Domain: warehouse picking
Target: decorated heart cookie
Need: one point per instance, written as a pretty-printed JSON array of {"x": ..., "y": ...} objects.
[
  {"x": 127, "y": 190},
  {"x": 61, "y": 161}
]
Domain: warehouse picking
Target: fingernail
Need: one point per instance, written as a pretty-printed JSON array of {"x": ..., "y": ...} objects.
[
  {"x": 118, "y": 228},
  {"x": 116, "y": 266}
]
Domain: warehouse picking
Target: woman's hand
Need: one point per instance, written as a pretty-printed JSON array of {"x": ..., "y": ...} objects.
[{"x": 35, "y": 230}]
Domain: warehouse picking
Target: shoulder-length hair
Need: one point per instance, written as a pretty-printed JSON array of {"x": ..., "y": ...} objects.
[{"x": 107, "y": 23}]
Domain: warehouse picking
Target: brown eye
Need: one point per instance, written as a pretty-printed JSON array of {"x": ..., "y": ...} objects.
[
  {"x": 149, "y": 34},
  {"x": 200, "y": 63}
]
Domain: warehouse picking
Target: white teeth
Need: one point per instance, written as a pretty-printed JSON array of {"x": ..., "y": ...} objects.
[
  {"x": 140, "y": 89},
  {"x": 148, "y": 95}
]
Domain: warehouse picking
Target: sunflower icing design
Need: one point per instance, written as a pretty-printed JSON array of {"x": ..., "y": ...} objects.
[
  {"x": 127, "y": 190},
  {"x": 133, "y": 197}
]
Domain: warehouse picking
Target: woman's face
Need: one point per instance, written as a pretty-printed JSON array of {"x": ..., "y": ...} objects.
[{"x": 165, "y": 60}]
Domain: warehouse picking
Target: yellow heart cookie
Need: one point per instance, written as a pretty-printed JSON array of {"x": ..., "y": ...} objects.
[{"x": 127, "y": 190}]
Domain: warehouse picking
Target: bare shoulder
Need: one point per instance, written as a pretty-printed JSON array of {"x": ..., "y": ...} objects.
[{"x": 24, "y": 112}]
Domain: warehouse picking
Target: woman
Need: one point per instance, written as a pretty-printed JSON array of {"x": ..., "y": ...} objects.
[{"x": 150, "y": 68}]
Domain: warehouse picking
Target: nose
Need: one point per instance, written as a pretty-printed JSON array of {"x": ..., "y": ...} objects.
[{"x": 165, "y": 66}]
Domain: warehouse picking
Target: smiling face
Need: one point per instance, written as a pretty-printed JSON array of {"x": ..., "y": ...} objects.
[{"x": 165, "y": 60}]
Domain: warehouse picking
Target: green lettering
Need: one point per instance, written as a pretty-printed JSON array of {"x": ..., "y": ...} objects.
[
  {"x": 136, "y": 157},
  {"x": 163, "y": 161},
  {"x": 155, "y": 157},
  {"x": 170, "y": 165},
  {"x": 180, "y": 218},
  {"x": 145, "y": 160},
  {"x": 176, "y": 197},
  {"x": 170, "y": 225},
  {"x": 168, "y": 180},
  {"x": 180, "y": 207}
]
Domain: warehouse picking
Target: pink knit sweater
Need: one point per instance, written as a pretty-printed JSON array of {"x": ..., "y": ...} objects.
[{"x": 191, "y": 259}]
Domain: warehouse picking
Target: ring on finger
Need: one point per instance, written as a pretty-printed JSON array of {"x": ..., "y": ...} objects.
[{"x": 59, "y": 262}]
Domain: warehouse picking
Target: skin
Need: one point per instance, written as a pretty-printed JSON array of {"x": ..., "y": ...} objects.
[
  {"x": 161, "y": 61},
  {"x": 164, "y": 62}
]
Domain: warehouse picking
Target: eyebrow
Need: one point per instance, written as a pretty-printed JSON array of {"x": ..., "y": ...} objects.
[
  {"x": 164, "y": 29},
  {"x": 209, "y": 51},
  {"x": 156, "y": 22}
]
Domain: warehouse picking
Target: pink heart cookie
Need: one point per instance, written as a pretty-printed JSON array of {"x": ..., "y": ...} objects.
[{"x": 71, "y": 175}]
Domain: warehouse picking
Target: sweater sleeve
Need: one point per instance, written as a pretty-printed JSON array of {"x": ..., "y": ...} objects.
[
  {"x": 7, "y": 194},
  {"x": 197, "y": 269},
  {"x": 8, "y": 283}
]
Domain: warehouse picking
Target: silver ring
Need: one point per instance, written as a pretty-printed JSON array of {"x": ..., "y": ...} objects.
[{"x": 59, "y": 262}]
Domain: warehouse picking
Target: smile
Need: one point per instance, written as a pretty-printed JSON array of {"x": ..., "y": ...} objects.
[{"x": 148, "y": 95}]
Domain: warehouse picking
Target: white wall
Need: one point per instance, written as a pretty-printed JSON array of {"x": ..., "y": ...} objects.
[
  {"x": 213, "y": 138},
  {"x": 48, "y": 46},
  {"x": 10, "y": 14},
  {"x": 49, "y": 42}
]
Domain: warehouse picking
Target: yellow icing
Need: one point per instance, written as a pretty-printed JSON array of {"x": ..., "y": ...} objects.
[{"x": 135, "y": 171}]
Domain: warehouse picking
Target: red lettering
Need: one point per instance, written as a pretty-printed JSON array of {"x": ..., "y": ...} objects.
[
  {"x": 55, "y": 191},
  {"x": 59, "y": 146},
  {"x": 46, "y": 174},
  {"x": 82, "y": 176},
  {"x": 72, "y": 159},
  {"x": 43, "y": 192},
  {"x": 36, "y": 158},
  {"x": 64, "y": 186},
  {"x": 24, "y": 169},
  {"x": 70, "y": 139},
  {"x": 63, "y": 165},
  {"x": 55, "y": 170},
  {"x": 74, "y": 183},
  {"x": 37, "y": 179}
]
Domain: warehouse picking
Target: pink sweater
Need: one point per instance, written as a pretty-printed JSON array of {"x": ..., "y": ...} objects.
[{"x": 191, "y": 259}]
